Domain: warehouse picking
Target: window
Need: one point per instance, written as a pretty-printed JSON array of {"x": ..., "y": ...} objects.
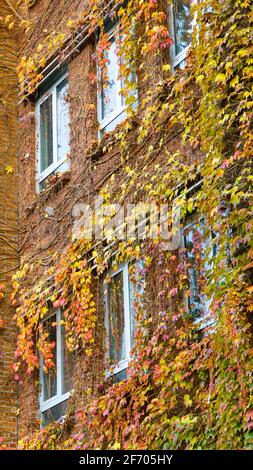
[
  {"x": 56, "y": 383},
  {"x": 52, "y": 131},
  {"x": 111, "y": 103},
  {"x": 121, "y": 296},
  {"x": 117, "y": 321},
  {"x": 181, "y": 26},
  {"x": 196, "y": 249}
]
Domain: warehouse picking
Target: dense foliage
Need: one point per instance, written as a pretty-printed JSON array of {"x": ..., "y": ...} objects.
[{"x": 181, "y": 392}]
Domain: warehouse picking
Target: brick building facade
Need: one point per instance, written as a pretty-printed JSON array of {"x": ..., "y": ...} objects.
[
  {"x": 69, "y": 151},
  {"x": 46, "y": 215}
]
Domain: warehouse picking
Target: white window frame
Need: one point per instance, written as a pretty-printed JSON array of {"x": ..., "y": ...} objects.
[
  {"x": 122, "y": 365},
  {"x": 42, "y": 175},
  {"x": 201, "y": 323},
  {"x": 119, "y": 114},
  {"x": 60, "y": 397},
  {"x": 177, "y": 59}
]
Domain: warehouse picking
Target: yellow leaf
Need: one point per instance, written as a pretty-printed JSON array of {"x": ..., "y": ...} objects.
[
  {"x": 220, "y": 78},
  {"x": 200, "y": 79},
  {"x": 8, "y": 18},
  {"x": 234, "y": 82},
  {"x": 117, "y": 446},
  {"x": 166, "y": 67},
  {"x": 70, "y": 23},
  {"x": 9, "y": 169},
  {"x": 187, "y": 400},
  {"x": 243, "y": 52}
]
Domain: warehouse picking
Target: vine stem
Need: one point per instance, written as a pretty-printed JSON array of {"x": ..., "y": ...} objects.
[{"x": 13, "y": 9}]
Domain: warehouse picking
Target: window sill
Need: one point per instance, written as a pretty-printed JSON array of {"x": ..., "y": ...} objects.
[
  {"x": 123, "y": 365},
  {"x": 115, "y": 116},
  {"x": 202, "y": 325},
  {"x": 179, "y": 58},
  {"x": 54, "y": 186},
  {"x": 110, "y": 123},
  {"x": 57, "y": 404},
  {"x": 59, "y": 167},
  {"x": 51, "y": 402},
  {"x": 116, "y": 376}
]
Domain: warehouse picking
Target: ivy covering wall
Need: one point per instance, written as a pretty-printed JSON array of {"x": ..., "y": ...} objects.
[{"x": 184, "y": 390}]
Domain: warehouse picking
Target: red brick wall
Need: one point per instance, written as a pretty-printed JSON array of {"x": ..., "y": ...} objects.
[{"x": 40, "y": 233}]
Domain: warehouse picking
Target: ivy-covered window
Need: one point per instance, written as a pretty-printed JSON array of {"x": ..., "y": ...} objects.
[
  {"x": 117, "y": 320},
  {"x": 52, "y": 117},
  {"x": 200, "y": 253},
  {"x": 181, "y": 28},
  {"x": 121, "y": 296},
  {"x": 56, "y": 382},
  {"x": 111, "y": 103}
]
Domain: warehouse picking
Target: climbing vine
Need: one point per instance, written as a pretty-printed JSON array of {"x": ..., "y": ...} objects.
[{"x": 185, "y": 389}]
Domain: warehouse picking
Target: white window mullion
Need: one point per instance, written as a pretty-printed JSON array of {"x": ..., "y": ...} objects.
[
  {"x": 107, "y": 329},
  {"x": 42, "y": 383},
  {"x": 59, "y": 365},
  {"x": 119, "y": 81},
  {"x": 172, "y": 48},
  {"x": 127, "y": 311},
  {"x": 54, "y": 118},
  {"x": 37, "y": 137}
]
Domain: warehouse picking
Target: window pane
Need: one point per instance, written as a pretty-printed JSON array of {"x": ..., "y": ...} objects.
[
  {"x": 68, "y": 365},
  {"x": 136, "y": 290},
  {"x": 182, "y": 24},
  {"x": 110, "y": 93},
  {"x": 116, "y": 319},
  {"x": 132, "y": 294},
  {"x": 62, "y": 121},
  {"x": 46, "y": 134},
  {"x": 201, "y": 251},
  {"x": 50, "y": 377},
  {"x": 191, "y": 240}
]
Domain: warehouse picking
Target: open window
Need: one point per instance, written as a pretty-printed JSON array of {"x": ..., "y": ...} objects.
[
  {"x": 56, "y": 383},
  {"x": 52, "y": 129}
]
